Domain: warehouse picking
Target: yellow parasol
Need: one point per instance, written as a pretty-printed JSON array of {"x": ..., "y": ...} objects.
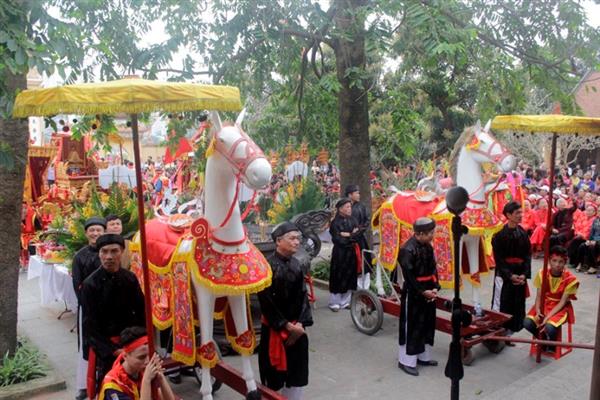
[
  {"x": 556, "y": 124},
  {"x": 129, "y": 95},
  {"x": 132, "y": 96}
]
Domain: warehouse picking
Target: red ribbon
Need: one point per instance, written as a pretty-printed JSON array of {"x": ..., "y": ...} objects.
[{"x": 358, "y": 253}]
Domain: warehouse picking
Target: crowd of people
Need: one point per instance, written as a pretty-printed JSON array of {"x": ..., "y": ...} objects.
[{"x": 114, "y": 357}]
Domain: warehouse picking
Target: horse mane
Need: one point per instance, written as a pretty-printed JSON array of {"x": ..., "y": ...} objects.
[{"x": 464, "y": 138}]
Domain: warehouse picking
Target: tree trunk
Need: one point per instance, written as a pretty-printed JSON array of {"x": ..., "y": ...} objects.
[
  {"x": 353, "y": 106},
  {"x": 15, "y": 133}
]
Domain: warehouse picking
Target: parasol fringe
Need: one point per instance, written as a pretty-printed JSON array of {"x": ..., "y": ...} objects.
[{"x": 23, "y": 111}]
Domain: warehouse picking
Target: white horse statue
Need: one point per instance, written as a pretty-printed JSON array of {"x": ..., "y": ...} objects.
[
  {"x": 211, "y": 256},
  {"x": 475, "y": 147},
  {"x": 481, "y": 148},
  {"x": 227, "y": 262}
]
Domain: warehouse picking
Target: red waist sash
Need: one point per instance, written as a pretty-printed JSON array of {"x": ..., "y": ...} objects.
[
  {"x": 358, "y": 254},
  {"x": 428, "y": 278},
  {"x": 277, "y": 356},
  {"x": 91, "y": 371},
  {"x": 514, "y": 260}
]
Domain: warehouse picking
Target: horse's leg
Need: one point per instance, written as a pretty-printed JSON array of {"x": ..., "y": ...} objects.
[
  {"x": 240, "y": 318},
  {"x": 472, "y": 246},
  {"x": 206, "y": 306}
]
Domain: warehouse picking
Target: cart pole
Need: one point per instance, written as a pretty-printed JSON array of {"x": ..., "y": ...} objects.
[{"x": 544, "y": 288}]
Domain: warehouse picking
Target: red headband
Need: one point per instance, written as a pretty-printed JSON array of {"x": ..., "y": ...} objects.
[{"x": 139, "y": 342}]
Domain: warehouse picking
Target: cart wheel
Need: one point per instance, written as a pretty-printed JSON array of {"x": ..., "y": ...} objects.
[
  {"x": 366, "y": 311},
  {"x": 467, "y": 356},
  {"x": 494, "y": 346},
  {"x": 216, "y": 384}
]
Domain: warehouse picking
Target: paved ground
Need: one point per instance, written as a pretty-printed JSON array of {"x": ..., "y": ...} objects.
[{"x": 345, "y": 364}]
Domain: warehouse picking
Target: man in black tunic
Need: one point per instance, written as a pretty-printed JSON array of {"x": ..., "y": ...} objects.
[
  {"x": 417, "y": 314},
  {"x": 112, "y": 300},
  {"x": 85, "y": 262},
  {"x": 512, "y": 253},
  {"x": 283, "y": 353},
  {"x": 363, "y": 219},
  {"x": 345, "y": 256}
]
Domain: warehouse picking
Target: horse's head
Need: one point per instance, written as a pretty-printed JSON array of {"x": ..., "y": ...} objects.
[
  {"x": 243, "y": 155},
  {"x": 484, "y": 147}
]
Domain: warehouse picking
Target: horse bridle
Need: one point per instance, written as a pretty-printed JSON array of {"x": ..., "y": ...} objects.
[
  {"x": 252, "y": 151},
  {"x": 498, "y": 158}
]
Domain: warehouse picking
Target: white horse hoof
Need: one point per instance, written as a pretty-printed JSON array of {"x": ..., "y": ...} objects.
[
  {"x": 253, "y": 395},
  {"x": 207, "y": 397}
]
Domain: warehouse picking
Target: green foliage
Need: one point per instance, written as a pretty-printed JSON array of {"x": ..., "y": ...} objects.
[
  {"x": 296, "y": 198},
  {"x": 320, "y": 270},
  {"x": 120, "y": 202},
  {"x": 24, "y": 365}
]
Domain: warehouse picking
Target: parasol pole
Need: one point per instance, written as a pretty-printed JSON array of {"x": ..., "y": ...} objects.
[
  {"x": 595, "y": 389},
  {"x": 142, "y": 222},
  {"x": 538, "y": 356}
]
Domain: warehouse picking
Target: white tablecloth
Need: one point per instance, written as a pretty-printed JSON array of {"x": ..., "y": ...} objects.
[{"x": 56, "y": 283}]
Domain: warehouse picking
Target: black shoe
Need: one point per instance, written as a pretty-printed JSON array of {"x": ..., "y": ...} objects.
[
  {"x": 81, "y": 395},
  {"x": 430, "y": 363},
  {"x": 409, "y": 370},
  {"x": 175, "y": 378}
]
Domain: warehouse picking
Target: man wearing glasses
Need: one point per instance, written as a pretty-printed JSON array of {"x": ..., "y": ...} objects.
[{"x": 283, "y": 353}]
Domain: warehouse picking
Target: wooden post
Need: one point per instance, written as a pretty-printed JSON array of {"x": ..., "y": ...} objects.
[
  {"x": 142, "y": 221},
  {"x": 545, "y": 282}
]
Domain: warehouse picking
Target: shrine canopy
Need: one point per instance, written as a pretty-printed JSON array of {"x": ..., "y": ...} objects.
[
  {"x": 128, "y": 95},
  {"x": 552, "y": 123}
]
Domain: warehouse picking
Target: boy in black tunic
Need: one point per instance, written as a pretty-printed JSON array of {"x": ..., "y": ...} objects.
[
  {"x": 417, "y": 313},
  {"x": 283, "y": 353},
  {"x": 512, "y": 253}
]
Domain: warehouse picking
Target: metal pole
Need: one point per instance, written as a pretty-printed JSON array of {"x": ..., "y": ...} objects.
[
  {"x": 595, "y": 389},
  {"x": 544, "y": 288},
  {"x": 454, "y": 368}
]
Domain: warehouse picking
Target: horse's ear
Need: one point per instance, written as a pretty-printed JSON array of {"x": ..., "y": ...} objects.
[
  {"x": 240, "y": 118},
  {"x": 487, "y": 127},
  {"x": 216, "y": 122},
  {"x": 477, "y": 127}
]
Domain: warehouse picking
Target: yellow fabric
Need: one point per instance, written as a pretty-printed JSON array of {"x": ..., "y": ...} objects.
[
  {"x": 126, "y": 96},
  {"x": 115, "y": 138},
  {"x": 554, "y": 283},
  {"x": 556, "y": 324},
  {"x": 114, "y": 386},
  {"x": 554, "y": 123}
]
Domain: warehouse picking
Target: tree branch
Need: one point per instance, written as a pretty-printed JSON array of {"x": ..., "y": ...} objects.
[
  {"x": 238, "y": 57},
  {"x": 177, "y": 71},
  {"x": 523, "y": 55}
]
